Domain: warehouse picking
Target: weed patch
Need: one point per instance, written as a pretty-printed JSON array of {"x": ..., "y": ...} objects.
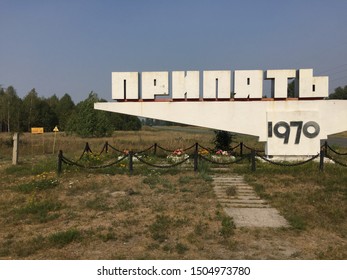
[
  {"x": 181, "y": 248},
  {"x": 39, "y": 210},
  {"x": 183, "y": 180},
  {"x": 296, "y": 221},
  {"x": 37, "y": 185},
  {"x": 228, "y": 227},
  {"x": 125, "y": 204},
  {"x": 230, "y": 191},
  {"x": 160, "y": 227},
  {"x": 99, "y": 203},
  {"x": 63, "y": 238}
]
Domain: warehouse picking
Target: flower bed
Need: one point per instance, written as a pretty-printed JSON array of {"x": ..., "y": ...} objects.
[
  {"x": 177, "y": 155},
  {"x": 222, "y": 156}
]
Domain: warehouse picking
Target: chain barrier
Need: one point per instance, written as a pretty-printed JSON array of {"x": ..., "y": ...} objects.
[
  {"x": 336, "y": 161},
  {"x": 70, "y": 162},
  {"x": 336, "y": 152},
  {"x": 171, "y": 151},
  {"x": 87, "y": 149},
  {"x": 115, "y": 149},
  {"x": 105, "y": 147},
  {"x": 166, "y": 150},
  {"x": 212, "y": 150},
  {"x": 223, "y": 163},
  {"x": 161, "y": 166},
  {"x": 233, "y": 148},
  {"x": 249, "y": 148},
  {"x": 187, "y": 149},
  {"x": 287, "y": 164},
  {"x": 145, "y": 150},
  {"x": 207, "y": 149}
]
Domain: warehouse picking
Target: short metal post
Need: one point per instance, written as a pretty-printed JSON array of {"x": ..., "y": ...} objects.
[
  {"x": 196, "y": 157},
  {"x": 326, "y": 147},
  {"x": 87, "y": 148},
  {"x": 321, "y": 160},
  {"x": 155, "y": 149},
  {"x": 106, "y": 147},
  {"x": 131, "y": 168},
  {"x": 253, "y": 168},
  {"x": 60, "y": 161},
  {"x": 241, "y": 149}
]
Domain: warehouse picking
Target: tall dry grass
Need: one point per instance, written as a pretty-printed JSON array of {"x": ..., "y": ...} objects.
[{"x": 32, "y": 145}]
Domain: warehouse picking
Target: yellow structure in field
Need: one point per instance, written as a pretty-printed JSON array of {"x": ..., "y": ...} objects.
[{"x": 37, "y": 130}]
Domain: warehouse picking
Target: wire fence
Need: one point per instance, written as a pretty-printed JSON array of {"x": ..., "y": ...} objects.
[{"x": 195, "y": 153}]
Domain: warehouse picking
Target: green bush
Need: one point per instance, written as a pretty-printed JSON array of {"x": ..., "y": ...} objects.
[{"x": 222, "y": 140}]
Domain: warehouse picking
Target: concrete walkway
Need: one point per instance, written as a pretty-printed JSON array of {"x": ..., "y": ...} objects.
[{"x": 240, "y": 201}]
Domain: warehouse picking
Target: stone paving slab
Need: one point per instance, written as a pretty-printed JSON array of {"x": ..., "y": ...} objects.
[
  {"x": 245, "y": 207},
  {"x": 256, "y": 217}
]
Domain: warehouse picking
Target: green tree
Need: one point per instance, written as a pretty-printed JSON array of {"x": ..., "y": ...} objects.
[
  {"x": 64, "y": 110},
  {"x": 339, "y": 93},
  {"x": 47, "y": 118},
  {"x": 10, "y": 110},
  {"x": 30, "y": 106},
  {"x": 125, "y": 122},
  {"x": 88, "y": 122},
  {"x": 38, "y": 112},
  {"x": 53, "y": 102},
  {"x": 2, "y": 110}
]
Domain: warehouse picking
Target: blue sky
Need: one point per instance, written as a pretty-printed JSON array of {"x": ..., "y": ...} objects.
[{"x": 72, "y": 46}]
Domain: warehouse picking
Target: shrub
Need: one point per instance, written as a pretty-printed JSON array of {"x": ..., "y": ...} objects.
[{"x": 222, "y": 140}]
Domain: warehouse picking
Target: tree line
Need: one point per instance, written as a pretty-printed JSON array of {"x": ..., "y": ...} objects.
[{"x": 20, "y": 115}]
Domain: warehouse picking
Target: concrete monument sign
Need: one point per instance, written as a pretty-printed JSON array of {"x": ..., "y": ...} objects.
[{"x": 289, "y": 126}]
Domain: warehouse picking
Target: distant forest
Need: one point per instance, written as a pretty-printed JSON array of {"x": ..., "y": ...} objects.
[{"x": 20, "y": 115}]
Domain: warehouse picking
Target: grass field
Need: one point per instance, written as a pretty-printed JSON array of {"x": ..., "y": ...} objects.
[{"x": 160, "y": 214}]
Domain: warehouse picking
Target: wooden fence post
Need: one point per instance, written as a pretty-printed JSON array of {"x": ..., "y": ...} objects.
[{"x": 15, "y": 148}]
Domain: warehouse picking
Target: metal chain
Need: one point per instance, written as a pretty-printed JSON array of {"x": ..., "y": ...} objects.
[
  {"x": 161, "y": 166},
  {"x": 287, "y": 164},
  {"x": 70, "y": 162},
  {"x": 341, "y": 154},
  {"x": 336, "y": 161},
  {"x": 113, "y": 148},
  {"x": 249, "y": 148},
  {"x": 166, "y": 150},
  {"x": 145, "y": 150},
  {"x": 223, "y": 163},
  {"x": 204, "y": 148}
]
